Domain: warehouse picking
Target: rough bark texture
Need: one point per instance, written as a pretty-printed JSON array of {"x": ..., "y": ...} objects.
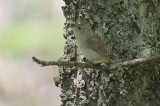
[{"x": 132, "y": 29}]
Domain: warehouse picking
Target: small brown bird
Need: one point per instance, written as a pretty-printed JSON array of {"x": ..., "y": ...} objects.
[{"x": 91, "y": 46}]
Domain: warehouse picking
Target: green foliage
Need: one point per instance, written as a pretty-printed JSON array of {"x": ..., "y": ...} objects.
[{"x": 24, "y": 37}]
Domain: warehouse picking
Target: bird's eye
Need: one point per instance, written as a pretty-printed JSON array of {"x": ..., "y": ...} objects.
[{"x": 79, "y": 28}]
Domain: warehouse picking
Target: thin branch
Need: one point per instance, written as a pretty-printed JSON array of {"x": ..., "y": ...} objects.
[
  {"x": 62, "y": 63},
  {"x": 133, "y": 62},
  {"x": 153, "y": 59}
]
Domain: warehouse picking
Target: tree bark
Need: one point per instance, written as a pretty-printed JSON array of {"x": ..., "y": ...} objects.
[{"x": 132, "y": 29}]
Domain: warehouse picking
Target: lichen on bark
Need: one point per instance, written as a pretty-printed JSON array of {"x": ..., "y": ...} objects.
[{"x": 132, "y": 29}]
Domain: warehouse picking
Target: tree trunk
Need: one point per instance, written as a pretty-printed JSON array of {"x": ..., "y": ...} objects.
[{"x": 132, "y": 29}]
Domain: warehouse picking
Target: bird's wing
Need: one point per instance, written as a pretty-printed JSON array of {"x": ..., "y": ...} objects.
[{"x": 97, "y": 45}]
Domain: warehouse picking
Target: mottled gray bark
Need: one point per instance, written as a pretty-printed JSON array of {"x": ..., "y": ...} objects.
[{"x": 132, "y": 29}]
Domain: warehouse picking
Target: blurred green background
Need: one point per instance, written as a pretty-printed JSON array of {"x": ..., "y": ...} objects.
[{"x": 29, "y": 28}]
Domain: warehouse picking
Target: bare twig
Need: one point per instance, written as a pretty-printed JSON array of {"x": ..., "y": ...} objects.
[
  {"x": 134, "y": 62},
  {"x": 62, "y": 63},
  {"x": 155, "y": 59}
]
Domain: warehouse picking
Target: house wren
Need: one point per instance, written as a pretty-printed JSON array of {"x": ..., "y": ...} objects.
[{"x": 91, "y": 46}]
